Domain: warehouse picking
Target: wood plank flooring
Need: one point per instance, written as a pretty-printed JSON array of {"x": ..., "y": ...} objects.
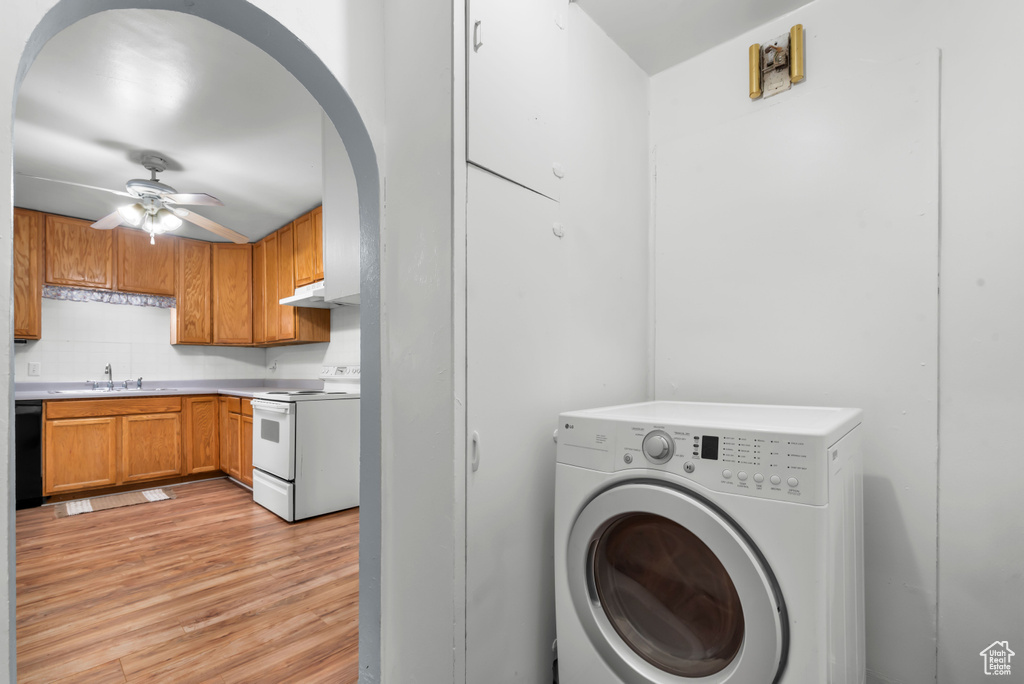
[{"x": 208, "y": 587}]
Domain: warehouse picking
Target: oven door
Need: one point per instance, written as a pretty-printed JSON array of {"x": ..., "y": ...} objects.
[{"x": 273, "y": 437}]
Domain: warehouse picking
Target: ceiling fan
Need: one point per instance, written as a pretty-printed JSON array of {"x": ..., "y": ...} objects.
[{"x": 154, "y": 207}]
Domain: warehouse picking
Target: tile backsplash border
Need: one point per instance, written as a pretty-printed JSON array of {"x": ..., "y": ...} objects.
[{"x": 81, "y": 294}]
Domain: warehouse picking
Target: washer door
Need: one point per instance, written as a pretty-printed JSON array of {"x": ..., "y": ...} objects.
[{"x": 669, "y": 589}]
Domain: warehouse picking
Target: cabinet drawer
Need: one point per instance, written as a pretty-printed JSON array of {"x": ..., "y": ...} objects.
[
  {"x": 246, "y": 407},
  {"x": 85, "y": 408},
  {"x": 232, "y": 404}
]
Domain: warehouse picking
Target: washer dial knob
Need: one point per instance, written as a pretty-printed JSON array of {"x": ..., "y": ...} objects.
[{"x": 658, "y": 446}]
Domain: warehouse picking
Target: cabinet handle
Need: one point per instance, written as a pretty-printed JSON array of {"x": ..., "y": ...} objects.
[
  {"x": 474, "y": 456},
  {"x": 478, "y": 41}
]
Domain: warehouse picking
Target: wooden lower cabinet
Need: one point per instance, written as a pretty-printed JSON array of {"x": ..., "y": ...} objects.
[
  {"x": 246, "y": 460},
  {"x": 202, "y": 434},
  {"x": 230, "y": 446},
  {"x": 236, "y": 438},
  {"x": 93, "y": 443},
  {"x": 150, "y": 447},
  {"x": 80, "y": 453}
]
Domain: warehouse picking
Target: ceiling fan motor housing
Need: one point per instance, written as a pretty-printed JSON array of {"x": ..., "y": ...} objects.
[{"x": 140, "y": 187}]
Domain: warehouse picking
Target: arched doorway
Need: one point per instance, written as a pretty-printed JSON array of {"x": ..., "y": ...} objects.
[{"x": 265, "y": 32}]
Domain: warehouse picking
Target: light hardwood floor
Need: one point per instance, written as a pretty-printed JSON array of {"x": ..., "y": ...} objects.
[{"x": 208, "y": 587}]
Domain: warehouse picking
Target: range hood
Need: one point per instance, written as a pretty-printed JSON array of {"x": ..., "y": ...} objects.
[{"x": 310, "y": 296}]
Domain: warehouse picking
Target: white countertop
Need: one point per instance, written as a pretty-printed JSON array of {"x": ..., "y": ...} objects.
[{"x": 50, "y": 391}]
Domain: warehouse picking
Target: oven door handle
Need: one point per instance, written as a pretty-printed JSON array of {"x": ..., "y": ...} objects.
[{"x": 272, "y": 406}]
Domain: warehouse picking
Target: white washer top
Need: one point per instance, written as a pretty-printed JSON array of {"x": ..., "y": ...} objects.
[{"x": 801, "y": 420}]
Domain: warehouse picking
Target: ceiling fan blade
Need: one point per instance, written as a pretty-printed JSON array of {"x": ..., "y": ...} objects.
[
  {"x": 80, "y": 185},
  {"x": 111, "y": 220},
  {"x": 211, "y": 226},
  {"x": 193, "y": 198}
]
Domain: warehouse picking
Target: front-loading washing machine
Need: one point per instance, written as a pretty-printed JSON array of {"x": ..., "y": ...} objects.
[{"x": 704, "y": 543}]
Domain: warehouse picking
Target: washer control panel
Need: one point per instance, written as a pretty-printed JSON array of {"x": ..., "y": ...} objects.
[{"x": 777, "y": 466}]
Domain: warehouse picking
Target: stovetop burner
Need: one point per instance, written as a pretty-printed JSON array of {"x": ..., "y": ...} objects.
[{"x": 295, "y": 392}]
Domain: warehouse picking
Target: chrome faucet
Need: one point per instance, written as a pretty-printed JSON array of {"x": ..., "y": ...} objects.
[{"x": 110, "y": 377}]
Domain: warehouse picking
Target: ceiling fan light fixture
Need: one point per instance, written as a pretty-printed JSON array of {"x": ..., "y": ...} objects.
[
  {"x": 132, "y": 214},
  {"x": 167, "y": 220}
]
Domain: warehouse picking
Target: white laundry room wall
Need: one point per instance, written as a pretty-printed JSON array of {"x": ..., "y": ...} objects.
[{"x": 897, "y": 286}]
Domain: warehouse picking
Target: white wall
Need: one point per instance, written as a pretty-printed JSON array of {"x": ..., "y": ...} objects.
[
  {"x": 980, "y": 582},
  {"x": 81, "y": 338},
  {"x": 418, "y": 365},
  {"x": 305, "y": 360},
  {"x": 605, "y": 210}
]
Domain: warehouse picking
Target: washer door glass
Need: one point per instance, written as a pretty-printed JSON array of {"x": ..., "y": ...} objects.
[
  {"x": 668, "y": 588},
  {"x": 667, "y": 595}
]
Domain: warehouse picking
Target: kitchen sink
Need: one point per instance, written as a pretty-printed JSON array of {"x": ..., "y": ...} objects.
[{"x": 116, "y": 390}]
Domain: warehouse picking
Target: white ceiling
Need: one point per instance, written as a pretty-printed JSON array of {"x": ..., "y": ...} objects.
[
  {"x": 658, "y": 34},
  {"x": 230, "y": 120}
]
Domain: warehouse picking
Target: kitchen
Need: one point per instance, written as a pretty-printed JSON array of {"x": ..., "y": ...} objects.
[
  {"x": 423, "y": 617},
  {"x": 193, "y": 321}
]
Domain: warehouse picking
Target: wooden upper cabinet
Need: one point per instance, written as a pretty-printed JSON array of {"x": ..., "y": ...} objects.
[
  {"x": 28, "y": 274},
  {"x": 285, "y": 283},
  {"x": 232, "y": 294},
  {"x": 318, "y": 244},
  {"x": 259, "y": 298},
  {"x": 308, "y": 236},
  {"x": 271, "y": 318},
  {"x": 77, "y": 254},
  {"x": 302, "y": 237},
  {"x": 142, "y": 267},
  {"x": 277, "y": 324},
  {"x": 192, "y": 318}
]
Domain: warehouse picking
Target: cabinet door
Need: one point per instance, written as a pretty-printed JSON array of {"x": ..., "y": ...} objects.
[
  {"x": 79, "y": 453},
  {"x": 259, "y": 292},
  {"x": 193, "y": 319},
  {"x": 28, "y": 274},
  {"x": 202, "y": 436},
  {"x": 271, "y": 319},
  {"x": 245, "y": 440},
  {"x": 508, "y": 226},
  {"x": 318, "y": 244},
  {"x": 150, "y": 446},
  {"x": 303, "y": 234},
  {"x": 77, "y": 254},
  {"x": 285, "y": 283},
  {"x": 230, "y": 446},
  {"x": 232, "y": 294},
  {"x": 142, "y": 267},
  {"x": 517, "y": 53}
]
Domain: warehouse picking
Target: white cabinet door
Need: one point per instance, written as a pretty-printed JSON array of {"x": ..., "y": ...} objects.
[
  {"x": 516, "y": 386},
  {"x": 517, "y": 52}
]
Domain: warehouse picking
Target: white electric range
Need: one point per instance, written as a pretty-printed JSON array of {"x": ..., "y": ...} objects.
[{"x": 305, "y": 447}]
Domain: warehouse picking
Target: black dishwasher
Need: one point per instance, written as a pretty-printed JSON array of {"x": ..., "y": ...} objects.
[{"x": 28, "y": 454}]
